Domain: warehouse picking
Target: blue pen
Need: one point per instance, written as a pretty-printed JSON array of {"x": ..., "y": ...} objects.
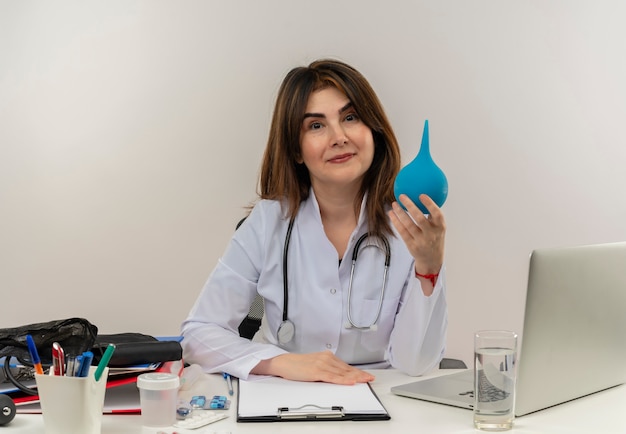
[
  {"x": 85, "y": 363},
  {"x": 229, "y": 383},
  {"x": 34, "y": 355}
]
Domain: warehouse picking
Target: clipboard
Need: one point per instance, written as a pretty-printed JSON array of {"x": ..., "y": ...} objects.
[{"x": 274, "y": 399}]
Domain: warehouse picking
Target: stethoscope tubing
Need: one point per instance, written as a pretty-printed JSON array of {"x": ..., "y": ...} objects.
[
  {"x": 355, "y": 253},
  {"x": 286, "y": 329},
  {"x": 285, "y": 279}
]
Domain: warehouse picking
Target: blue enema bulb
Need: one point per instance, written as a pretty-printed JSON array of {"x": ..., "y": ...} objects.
[{"x": 422, "y": 176}]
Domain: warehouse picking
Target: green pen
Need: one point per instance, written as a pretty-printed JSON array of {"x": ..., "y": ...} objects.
[{"x": 104, "y": 361}]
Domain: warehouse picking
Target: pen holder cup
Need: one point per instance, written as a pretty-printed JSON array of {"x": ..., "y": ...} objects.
[
  {"x": 72, "y": 405},
  {"x": 158, "y": 394}
]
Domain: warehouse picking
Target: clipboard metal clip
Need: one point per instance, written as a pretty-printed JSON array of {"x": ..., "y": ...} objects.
[{"x": 311, "y": 411}]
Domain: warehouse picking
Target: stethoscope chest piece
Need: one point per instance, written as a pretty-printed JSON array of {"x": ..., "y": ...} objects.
[{"x": 286, "y": 332}]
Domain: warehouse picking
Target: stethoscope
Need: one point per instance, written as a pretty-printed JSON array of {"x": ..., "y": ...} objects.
[{"x": 287, "y": 329}]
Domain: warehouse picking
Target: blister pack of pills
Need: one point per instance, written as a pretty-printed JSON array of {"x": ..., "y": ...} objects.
[{"x": 200, "y": 418}]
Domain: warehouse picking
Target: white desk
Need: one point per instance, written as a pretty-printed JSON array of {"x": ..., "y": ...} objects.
[{"x": 602, "y": 412}]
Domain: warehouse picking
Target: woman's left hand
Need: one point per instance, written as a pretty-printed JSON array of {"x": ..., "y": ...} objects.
[{"x": 424, "y": 235}]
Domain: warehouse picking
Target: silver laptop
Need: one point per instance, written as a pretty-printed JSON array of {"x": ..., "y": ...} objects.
[{"x": 574, "y": 338}]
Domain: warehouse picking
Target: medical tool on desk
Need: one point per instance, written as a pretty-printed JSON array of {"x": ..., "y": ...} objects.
[
  {"x": 7, "y": 409},
  {"x": 286, "y": 330}
]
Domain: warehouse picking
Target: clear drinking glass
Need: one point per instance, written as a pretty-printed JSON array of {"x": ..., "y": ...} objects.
[{"x": 495, "y": 369}]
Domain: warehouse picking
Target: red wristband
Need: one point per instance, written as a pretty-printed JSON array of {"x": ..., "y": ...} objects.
[{"x": 431, "y": 277}]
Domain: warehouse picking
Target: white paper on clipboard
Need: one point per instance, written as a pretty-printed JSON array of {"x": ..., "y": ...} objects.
[{"x": 264, "y": 397}]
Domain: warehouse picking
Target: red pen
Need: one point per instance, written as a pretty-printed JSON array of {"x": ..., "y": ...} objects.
[{"x": 58, "y": 359}]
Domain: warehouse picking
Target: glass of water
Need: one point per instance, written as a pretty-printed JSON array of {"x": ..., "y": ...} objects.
[{"x": 495, "y": 353}]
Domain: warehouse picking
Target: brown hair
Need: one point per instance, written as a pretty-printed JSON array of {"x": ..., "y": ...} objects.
[{"x": 283, "y": 178}]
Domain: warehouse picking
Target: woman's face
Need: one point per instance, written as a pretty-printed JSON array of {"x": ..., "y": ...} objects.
[{"x": 336, "y": 146}]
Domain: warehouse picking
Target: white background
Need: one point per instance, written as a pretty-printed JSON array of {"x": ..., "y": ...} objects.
[{"x": 131, "y": 135}]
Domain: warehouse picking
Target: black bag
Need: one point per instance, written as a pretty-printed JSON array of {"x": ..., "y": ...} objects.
[
  {"x": 136, "y": 349},
  {"x": 77, "y": 335}
]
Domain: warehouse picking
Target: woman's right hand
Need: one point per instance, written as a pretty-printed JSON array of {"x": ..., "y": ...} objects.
[{"x": 323, "y": 366}]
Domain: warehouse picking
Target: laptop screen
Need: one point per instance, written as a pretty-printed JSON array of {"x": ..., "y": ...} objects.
[{"x": 574, "y": 339}]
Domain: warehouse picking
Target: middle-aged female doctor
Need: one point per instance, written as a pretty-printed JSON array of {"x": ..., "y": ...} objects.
[{"x": 326, "y": 196}]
